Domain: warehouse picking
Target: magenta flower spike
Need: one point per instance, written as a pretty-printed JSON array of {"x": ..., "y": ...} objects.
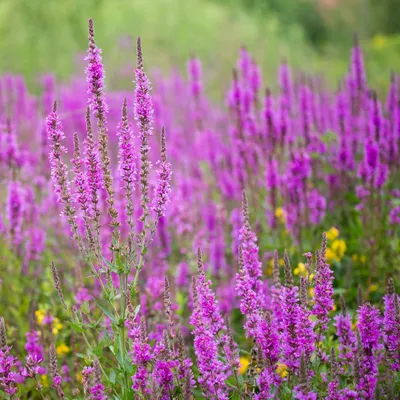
[
  {"x": 162, "y": 193},
  {"x": 127, "y": 162},
  {"x": 59, "y": 171},
  {"x": 369, "y": 325},
  {"x": 143, "y": 110},
  {"x": 323, "y": 290},
  {"x": 207, "y": 323}
]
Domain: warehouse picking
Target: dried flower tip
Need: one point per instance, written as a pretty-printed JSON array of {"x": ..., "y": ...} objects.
[
  {"x": 97, "y": 372},
  {"x": 343, "y": 306},
  {"x": 143, "y": 329},
  {"x": 91, "y": 29},
  {"x": 287, "y": 269},
  {"x": 57, "y": 285},
  {"x": 324, "y": 245},
  {"x": 333, "y": 364},
  {"x": 53, "y": 361},
  {"x": 168, "y": 307},
  {"x": 200, "y": 265},
  {"x": 303, "y": 376},
  {"x": 303, "y": 291},
  {"x": 3, "y": 334},
  {"x": 129, "y": 305},
  {"x": 163, "y": 146},
  {"x": 390, "y": 286},
  {"x": 54, "y": 107},
  {"x": 357, "y": 368},
  {"x": 245, "y": 209},
  {"x": 276, "y": 272},
  {"x": 166, "y": 353},
  {"x": 139, "y": 53},
  {"x": 194, "y": 292},
  {"x": 397, "y": 308}
]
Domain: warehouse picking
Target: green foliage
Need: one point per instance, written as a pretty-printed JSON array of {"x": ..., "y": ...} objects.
[
  {"x": 289, "y": 12},
  {"x": 39, "y": 34}
]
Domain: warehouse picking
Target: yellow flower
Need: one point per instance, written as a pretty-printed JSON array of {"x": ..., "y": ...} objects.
[
  {"x": 379, "y": 42},
  {"x": 281, "y": 262},
  {"x": 373, "y": 287},
  {"x": 40, "y": 314},
  {"x": 282, "y": 370},
  {"x": 334, "y": 307},
  {"x": 363, "y": 259},
  {"x": 331, "y": 255},
  {"x": 62, "y": 349},
  {"x": 244, "y": 363},
  {"x": 57, "y": 326},
  {"x": 300, "y": 269},
  {"x": 78, "y": 377},
  {"x": 333, "y": 233},
  {"x": 270, "y": 267},
  {"x": 311, "y": 291},
  {"x": 311, "y": 277},
  {"x": 354, "y": 257},
  {"x": 280, "y": 214},
  {"x": 45, "y": 380},
  {"x": 339, "y": 247}
]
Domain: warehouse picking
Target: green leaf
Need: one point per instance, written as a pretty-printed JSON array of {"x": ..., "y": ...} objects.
[
  {"x": 111, "y": 377},
  {"x": 77, "y": 327},
  {"x": 105, "y": 310},
  {"x": 329, "y": 137},
  {"x": 136, "y": 310},
  {"x": 85, "y": 308}
]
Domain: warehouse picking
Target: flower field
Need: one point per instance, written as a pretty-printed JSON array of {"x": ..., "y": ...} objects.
[{"x": 157, "y": 243}]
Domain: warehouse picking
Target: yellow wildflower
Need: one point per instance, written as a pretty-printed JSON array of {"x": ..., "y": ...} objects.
[
  {"x": 45, "y": 380},
  {"x": 62, "y": 349},
  {"x": 40, "y": 314},
  {"x": 280, "y": 214},
  {"x": 311, "y": 291},
  {"x": 379, "y": 42},
  {"x": 334, "y": 307},
  {"x": 270, "y": 267},
  {"x": 244, "y": 363},
  {"x": 333, "y": 233},
  {"x": 311, "y": 277},
  {"x": 281, "y": 262},
  {"x": 300, "y": 269},
  {"x": 282, "y": 370},
  {"x": 354, "y": 257},
  {"x": 78, "y": 377},
  {"x": 363, "y": 259},
  {"x": 373, "y": 287},
  {"x": 57, "y": 326},
  {"x": 331, "y": 255},
  {"x": 339, "y": 247}
]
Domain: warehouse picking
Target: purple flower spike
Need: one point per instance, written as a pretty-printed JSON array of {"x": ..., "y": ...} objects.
[
  {"x": 95, "y": 78},
  {"x": 163, "y": 188},
  {"x": 323, "y": 289},
  {"x": 369, "y": 325}
]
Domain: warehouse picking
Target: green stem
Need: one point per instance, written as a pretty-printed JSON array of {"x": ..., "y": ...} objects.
[{"x": 122, "y": 346}]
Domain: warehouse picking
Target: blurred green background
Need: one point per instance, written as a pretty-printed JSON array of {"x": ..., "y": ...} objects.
[{"x": 39, "y": 36}]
